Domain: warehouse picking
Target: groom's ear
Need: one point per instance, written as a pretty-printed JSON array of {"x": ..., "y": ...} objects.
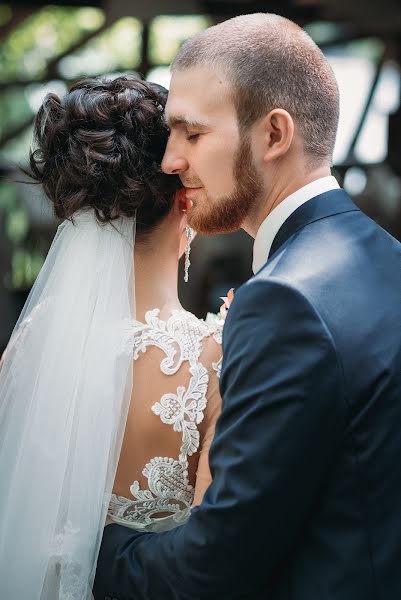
[{"x": 278, "y": 133}]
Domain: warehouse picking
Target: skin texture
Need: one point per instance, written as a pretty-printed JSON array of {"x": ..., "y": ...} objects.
[
  {"x": 233, "y": 178},
  {"x": 156, "y": 262}
]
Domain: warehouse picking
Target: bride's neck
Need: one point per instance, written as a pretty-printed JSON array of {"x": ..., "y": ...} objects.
[{"x": 156, "y": 275}]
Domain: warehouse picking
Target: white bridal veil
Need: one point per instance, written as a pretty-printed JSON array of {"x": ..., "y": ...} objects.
[{"x": 65, "y": 387}]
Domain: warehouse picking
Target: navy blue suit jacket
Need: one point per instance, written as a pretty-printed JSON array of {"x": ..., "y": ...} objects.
[{"x": 305, "y": 502}]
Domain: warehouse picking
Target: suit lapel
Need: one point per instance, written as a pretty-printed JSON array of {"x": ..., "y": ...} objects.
[{"x": 325, "y": 205}]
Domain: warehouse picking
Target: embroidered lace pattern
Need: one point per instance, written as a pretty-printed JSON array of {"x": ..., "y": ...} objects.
[
  {"x": 169, "y": 491},
  {"x": 216, "y": 324}
]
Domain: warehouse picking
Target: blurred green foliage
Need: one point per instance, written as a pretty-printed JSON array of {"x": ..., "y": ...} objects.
[
  {"x": 47, "y": 33},
  {"x": 119, "y": 47},
  {"x": 15, "y": 104},
  {"x": 167, "y": 34},
  {"x": 25, "y": 264},
  {"x": 8, "y": 196},
  {"x": 25, "y": 267},
  {"x": 15, "y": 152},
  {"x": 17, "y": 224}
]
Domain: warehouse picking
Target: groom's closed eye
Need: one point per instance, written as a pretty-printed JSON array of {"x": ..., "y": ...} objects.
[{"x": 191, "y": 137}]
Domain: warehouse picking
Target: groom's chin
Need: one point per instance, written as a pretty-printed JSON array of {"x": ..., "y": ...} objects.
[
  {"x": 209, "y": 216},
  {"x": 208, "y": 225}
]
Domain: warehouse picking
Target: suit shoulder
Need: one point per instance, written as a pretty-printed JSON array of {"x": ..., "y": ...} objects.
[{"x": 273, "y": 295}]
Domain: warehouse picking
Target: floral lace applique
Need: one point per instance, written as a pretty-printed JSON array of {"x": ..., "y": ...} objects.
[
  {"x": 184, "y": 410},
  {"x": 169, "y": 491},
  {"x": 180, "y": 338}
]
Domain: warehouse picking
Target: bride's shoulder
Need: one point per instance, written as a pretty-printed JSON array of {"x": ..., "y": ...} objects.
[
  {"x": 176, "y": 323},
  {"x": 181, "y": 321},
  {"x": 210, "y": 329},
  {"x": 194, "y": 335},
  {"x": 180, "y": 334}
]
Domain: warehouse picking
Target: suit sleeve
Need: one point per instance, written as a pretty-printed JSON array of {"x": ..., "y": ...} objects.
[{"x": 283, "y": 417}]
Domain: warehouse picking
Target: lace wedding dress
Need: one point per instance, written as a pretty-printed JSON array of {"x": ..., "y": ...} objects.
[{"x": 163, "y": 468}]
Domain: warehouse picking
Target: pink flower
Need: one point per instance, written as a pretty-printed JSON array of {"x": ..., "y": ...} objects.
[{"x": 226, "y": 303}]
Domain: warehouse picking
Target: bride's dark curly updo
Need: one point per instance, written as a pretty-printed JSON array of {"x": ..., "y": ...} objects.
[{"x": 101, "y": 146}]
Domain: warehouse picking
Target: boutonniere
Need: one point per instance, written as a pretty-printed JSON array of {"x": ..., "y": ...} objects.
[
  {"x": 215, "y": 321},
  {"x": 227, "y": 300}
]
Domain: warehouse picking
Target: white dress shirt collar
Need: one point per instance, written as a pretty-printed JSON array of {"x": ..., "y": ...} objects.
[{"x": 270, "y": 226}]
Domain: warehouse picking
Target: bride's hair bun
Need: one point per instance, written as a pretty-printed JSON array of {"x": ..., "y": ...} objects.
[{"x": 101, "y": 146}]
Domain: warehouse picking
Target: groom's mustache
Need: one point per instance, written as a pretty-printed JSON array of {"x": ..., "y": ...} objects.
[{"x": 191, "y": 183}]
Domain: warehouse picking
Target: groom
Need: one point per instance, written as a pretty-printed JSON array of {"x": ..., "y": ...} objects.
[{"x": 305, "y": 502}]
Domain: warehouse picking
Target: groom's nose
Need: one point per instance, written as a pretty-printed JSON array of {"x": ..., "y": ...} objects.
[{"x": 173, "y": 163}]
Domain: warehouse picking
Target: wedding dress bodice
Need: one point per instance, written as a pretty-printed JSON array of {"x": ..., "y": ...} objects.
[{"x": 172, "y": 389}]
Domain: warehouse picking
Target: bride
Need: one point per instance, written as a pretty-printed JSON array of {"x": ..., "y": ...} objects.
[{"x": 108, "y": 387}]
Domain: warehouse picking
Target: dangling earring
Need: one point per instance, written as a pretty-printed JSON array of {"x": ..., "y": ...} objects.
[{"x": 190, "y": 236}]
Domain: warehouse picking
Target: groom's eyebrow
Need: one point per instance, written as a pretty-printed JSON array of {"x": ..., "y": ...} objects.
[{"x": 186, "y": 121}]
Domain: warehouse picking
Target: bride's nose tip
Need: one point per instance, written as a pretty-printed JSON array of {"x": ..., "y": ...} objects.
[{"x": 173, "y": 166}]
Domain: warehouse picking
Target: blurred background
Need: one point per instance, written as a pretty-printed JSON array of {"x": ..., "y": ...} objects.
[{"x": 46, "y": 47}]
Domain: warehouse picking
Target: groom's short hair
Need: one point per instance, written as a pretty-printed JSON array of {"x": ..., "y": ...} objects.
[{"x": 271, "y": 63}]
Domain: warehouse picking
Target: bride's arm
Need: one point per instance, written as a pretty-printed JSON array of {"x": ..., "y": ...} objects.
[{"x": 203, "y": 475}]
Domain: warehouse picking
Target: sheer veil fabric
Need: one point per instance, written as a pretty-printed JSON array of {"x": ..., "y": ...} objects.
[{"x": 65, "y": 388}]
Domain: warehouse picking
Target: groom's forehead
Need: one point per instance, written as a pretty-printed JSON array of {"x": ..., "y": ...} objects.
[{"x": 195, "y": 95}]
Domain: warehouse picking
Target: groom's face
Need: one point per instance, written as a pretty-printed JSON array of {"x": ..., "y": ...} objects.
[{"x": 214, "y": 161}]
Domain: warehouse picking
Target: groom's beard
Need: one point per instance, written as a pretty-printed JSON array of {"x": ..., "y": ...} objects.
[{"x": 227, "y": 213}]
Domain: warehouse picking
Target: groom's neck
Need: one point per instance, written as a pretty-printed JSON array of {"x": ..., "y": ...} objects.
[{"x": 279, "y": 186}]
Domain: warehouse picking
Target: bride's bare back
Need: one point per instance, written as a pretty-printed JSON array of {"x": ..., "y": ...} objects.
[{"x": 163, "y": 468}]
